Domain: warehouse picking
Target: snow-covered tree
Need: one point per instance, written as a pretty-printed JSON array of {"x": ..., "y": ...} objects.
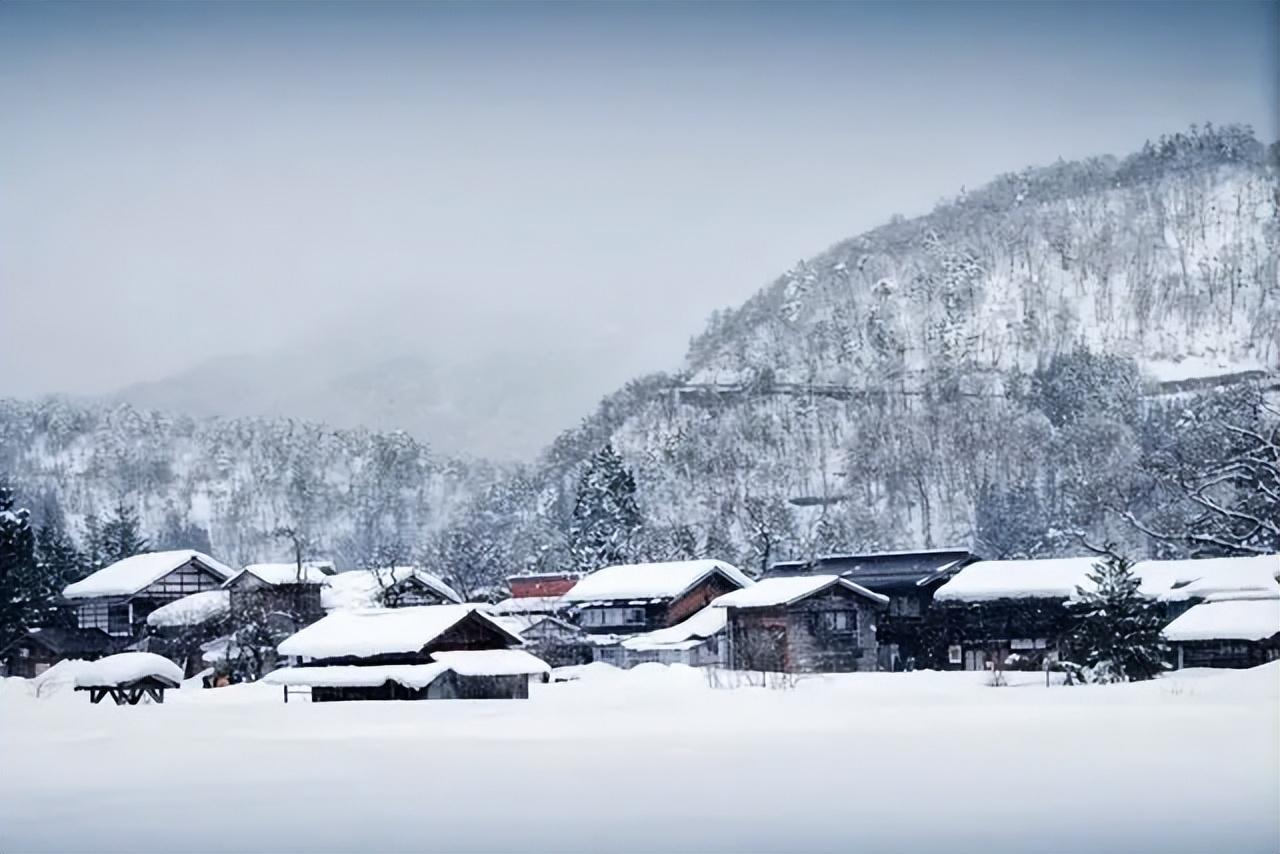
[
  {"x": 115, "y": 538},
  {"x": 23, "y": 595},
  {"x": 1117, "y": 631},
  {"x": 606, "y": 517}
]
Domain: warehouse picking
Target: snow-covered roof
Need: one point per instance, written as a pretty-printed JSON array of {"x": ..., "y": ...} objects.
[
  {"x": 783, "y": 590},
  {"x": 466, "y": 662},
  {"x": 128, "y": 576},
  {"x": 1211, "y": 578},
  {"x": 360, "y": 588},
  {"x": 520, "y": 623},
  {"x": 127, "y": 667},
  {"x": 1168, "y": 580},
  {"x": 644, "y": 581},
  {"x": 415, "y": 676},
  {"x": 528, "y": 605},
  {"x": 191, "y": 610},
  {"x": 1055, "y": 578},
  {"x": 1248, "y": 619},
  {"x": 287, "y": 573},
  {"x": 697, "y": 628},
  {"x": 381, "y": 631},
  {"x": 491, "y": 662}
]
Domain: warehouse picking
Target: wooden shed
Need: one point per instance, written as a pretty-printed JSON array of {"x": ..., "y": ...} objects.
[{"x": 803, "y": 624}]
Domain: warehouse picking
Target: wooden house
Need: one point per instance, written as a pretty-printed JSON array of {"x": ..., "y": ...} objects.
[
  {"x": 118, "y": 598},
  {"x": 1013, "y": 612},
  {"x": 803, "y": 624},
  {"x": 39, "y": 649},
  {"x": 637, "y": 598},
  {"x": 418, "y": 653},
  {"x": 908, "y": 578},
  {"x": 290, "y": 589},
  {"x": 1226, "y": 633}
]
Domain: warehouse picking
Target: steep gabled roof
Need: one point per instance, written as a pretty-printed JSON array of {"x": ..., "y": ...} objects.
[
  {"x": 773, "y": 592},
  {"x": 133, "y": 574},
  {"x": 651, "y": 581}
]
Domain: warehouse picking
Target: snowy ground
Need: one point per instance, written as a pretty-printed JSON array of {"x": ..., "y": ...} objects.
[{"x": 654, "y": 760}]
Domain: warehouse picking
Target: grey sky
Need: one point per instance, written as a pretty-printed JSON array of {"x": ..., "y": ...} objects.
[{"x": 180, "y": 181}]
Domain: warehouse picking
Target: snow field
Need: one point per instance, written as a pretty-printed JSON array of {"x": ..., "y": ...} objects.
[{"x": 654, "y": 759}]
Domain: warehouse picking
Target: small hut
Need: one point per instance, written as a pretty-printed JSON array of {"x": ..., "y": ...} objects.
[{"x": 422, "y": 653}]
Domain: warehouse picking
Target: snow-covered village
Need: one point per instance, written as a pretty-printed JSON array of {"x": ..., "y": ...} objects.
[{"x": 439, "y": 427}]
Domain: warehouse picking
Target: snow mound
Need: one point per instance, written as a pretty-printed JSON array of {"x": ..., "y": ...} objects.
[{"x": 127, "y": 667}]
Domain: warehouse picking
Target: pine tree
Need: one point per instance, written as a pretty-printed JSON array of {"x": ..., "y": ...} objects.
[
  {"x": 606, "y": 517},
  {"x": 1117, "y": 629},
  {"x": 21, "y": 596},
  {"x": 115, "y": 539},
  {"x": 59, "y": 560}
]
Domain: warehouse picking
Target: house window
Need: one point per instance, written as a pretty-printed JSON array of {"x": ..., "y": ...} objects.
[
  {"x": 118, "y": 620},
  {"x": 92, "y": 615},
  {"x": 613, "y": 617},
  {"x": 23, "y": 652},
  {"x": 840, "y": 621},
  {"x": 955, "y": 654}
]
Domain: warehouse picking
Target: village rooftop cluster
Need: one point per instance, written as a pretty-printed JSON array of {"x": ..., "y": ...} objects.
[{"x": 153, "y": 620}]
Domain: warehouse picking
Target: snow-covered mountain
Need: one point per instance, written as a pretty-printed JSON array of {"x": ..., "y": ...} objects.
[
  {"x": 894, "y": 391},
  {"x": 880, "y": 394}
]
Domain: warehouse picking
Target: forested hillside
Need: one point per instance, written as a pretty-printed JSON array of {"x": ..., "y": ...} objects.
[
  {"x": 1002, "y": 355},
  {"x": 232, "y": 483},
  {"x": 1009, "y": 371}
]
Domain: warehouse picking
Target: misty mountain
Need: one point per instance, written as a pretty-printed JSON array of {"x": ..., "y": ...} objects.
[
  {"x": 997, "y": 372},
  {"x": 501, "y": 404}
]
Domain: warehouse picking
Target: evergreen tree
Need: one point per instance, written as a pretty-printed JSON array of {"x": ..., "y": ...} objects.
[
  {"x": 59, "y": 560},
  {"x": 1117, "y": 629},
  {"x": 21, "y": 595},
  {"x": 180, "y": 533},
  {"x": 606, "y": 517},
  {"x": 115, "y": 539}
]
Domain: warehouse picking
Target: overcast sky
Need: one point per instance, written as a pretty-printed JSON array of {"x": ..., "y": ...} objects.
[{"x": 183, "y": 181}]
